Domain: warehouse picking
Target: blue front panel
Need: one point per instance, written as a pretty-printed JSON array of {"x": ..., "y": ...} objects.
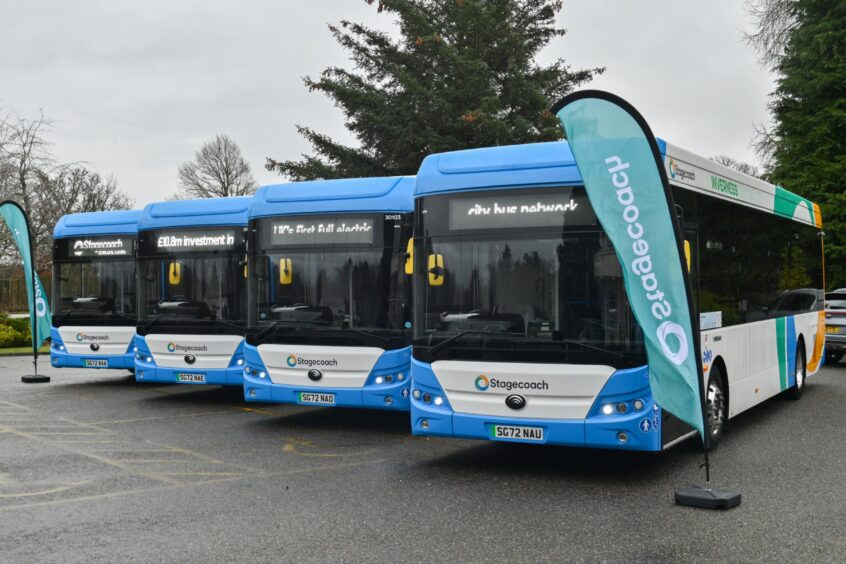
[
  {"x": 635, "y": 429},
  {"x": 61, "y": 358},
  {"x": 388, "y": 385},
  {"x": 146, "y": 369}
]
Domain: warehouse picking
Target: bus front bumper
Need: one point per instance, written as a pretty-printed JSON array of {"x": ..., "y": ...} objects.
[
  {"x": 147, "y": 372},
  {"x": 393, "y": 396},
  {"x": 623, "y": 432},
  {"x": 63, "y": 359}
]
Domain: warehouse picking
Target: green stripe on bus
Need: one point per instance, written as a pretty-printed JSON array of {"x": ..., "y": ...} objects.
[{"x": 781, "y": 347}]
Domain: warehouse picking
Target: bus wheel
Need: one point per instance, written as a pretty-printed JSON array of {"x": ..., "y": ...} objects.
[
  {"x": 795, "y": 392},
  {"x": 716, "y": 408}
]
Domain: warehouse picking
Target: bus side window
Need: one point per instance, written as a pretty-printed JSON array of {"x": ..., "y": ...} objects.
[
  {"x": 174, "y": 273},
  {"x": 436, "y": 270},
  {"x": 286, "y": 272},
  {"x": 409, "y": 257}
]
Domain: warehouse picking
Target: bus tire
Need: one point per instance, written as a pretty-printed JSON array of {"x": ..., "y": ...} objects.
[
  {"x": 795, "y": 392},
  {"x": 716, "y": 407}
]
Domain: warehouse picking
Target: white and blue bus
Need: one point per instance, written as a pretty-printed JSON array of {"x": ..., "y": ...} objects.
[
  {"x": 192, "y": 291},
  {"x": 329, "y": 315},
  {"x": 94, "y": 298},
  {"x": 522, "y": 327}
]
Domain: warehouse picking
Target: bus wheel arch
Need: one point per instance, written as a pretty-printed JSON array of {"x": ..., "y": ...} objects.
[
  {"x": 800, "y": 370},
  {"x": 718, "y": 375},
  {"x": 720, "y": 364}
]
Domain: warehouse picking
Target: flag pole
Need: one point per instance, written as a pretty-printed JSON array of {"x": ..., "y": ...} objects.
[
  {"x": 589, "y": 107},
  {"x": 33, "y": 378}
]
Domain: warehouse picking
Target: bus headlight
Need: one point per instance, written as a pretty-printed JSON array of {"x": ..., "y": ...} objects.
[
  {"x": 622, "y": 408},
  {"x": 637, "y": 404},
  {"x": 240, "y": 362},
  {"x": 439, "y": 400},
  {"x": 607, "y": 409},
  {"x": 416, "y": 394}
]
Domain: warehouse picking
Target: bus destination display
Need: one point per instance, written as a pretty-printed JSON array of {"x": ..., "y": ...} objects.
[
  {"x": 188, "y": 241},
  {"x": 564, "y": 207},
  {"x": 324, "y": 231},
  {"x": 100, "y": 247}
]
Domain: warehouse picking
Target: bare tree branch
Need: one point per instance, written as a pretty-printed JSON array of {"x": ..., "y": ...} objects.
[
  {"x": 739, "y": 166},
  {"x": 218, "y": 170},
  {"x": 774, "y": 21}
]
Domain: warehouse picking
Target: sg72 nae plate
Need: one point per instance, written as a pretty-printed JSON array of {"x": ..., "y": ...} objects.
[
  {"x": 186, "y": 378},
  {"x": 96, "y": 363}
]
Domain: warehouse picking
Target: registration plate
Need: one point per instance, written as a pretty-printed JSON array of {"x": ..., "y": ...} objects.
[
  {"x": 317, "y": 399},
  {"x": 96, "y": 363},
  {"x": 186, "y": 378},
  {"x": 832, "y": 329},
  {"x": 517, "y": 433}
]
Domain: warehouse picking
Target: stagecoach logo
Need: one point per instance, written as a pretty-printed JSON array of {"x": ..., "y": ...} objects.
[
  {"x": 483, "y": 383},
  {"x": 678, "y": 172},
  {"x": 175, "y": 347},
  {"x": 294, "y": 361},
  {"x": 83, "y": 337}
]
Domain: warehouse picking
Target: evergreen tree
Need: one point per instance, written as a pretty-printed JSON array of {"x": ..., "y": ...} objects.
[
  {"x": 807, "y": 143},
  {"x": 462, "y": 73}
]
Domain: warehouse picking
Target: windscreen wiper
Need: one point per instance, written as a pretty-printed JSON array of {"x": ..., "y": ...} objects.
[
  {"x": 149, "y": 322},
  {"x": 260, "y": 334},
  {"x": 230, "y": 323},
  {"x": 460, "y": 334},
  {"x": 591, "y": 347},
  {"x": 341, "y": 331}
]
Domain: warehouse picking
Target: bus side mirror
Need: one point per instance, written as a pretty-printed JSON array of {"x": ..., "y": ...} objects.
[
  {"x": 687, "y": 254},
  {"x": 286, "y": 272},
  {"x": 409, "y": 257},
  {"x": 174, "y": 273},
  {"x": 436, "y": 269}
]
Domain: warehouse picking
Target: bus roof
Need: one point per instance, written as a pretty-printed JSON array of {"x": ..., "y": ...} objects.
[
  {"x": 552, "y": 163},
  {"x": 195, "y": 213},
  {"x": 378, "y": 194},
  {"x": 120, "y": 222}
]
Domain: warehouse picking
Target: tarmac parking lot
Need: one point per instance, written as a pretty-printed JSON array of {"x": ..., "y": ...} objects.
[{"x": 94, "y": 467}]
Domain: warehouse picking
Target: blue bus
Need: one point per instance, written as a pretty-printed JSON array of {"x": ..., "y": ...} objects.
[
  {"x": 94, "y": 298},
  {"x": 329, "y": 313},
  {"x": 522, "y": 327},
  {"x": 192, "y": 291}
]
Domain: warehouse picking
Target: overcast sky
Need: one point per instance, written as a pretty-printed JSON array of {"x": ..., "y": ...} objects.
[{"x": 137, "y": 87}]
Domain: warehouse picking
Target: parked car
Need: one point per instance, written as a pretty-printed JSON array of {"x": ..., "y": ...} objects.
[{"x": 835, "y": 325}]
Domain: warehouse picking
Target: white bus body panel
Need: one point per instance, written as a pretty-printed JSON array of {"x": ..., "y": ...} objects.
[
  {"x": 750, "y": 353},
  {"x": 341, "y": 367},
  {"x": 210, "y": 351},
  {"x": 569, "y": 393},
  {"x": 111, "y": 340}
]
